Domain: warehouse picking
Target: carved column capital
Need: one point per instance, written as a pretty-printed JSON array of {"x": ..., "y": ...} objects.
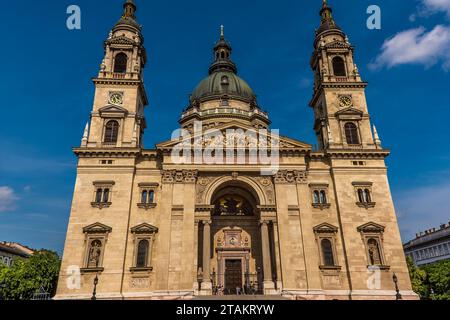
[{"x": 207, "y": 222}]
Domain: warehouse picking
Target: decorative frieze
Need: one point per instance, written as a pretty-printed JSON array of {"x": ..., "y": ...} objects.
[
  {"x": 179, "y": 176},
  {"x": 291, "y": 176}
]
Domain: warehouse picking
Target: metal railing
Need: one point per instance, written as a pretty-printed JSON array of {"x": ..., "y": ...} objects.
[{"x": 252, "y": 285}]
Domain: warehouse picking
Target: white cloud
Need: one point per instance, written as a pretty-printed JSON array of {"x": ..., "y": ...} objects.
[
  {"x": 416, "y": 46},
  {"x": 434, "y": 6},
  {"x": 422, "y": 208},
  {"x": 7, "y": 199},
  {"x": 430, "y": 7}
]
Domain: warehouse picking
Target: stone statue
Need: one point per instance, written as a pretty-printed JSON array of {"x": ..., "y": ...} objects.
[
  {"x": 94, "y": 254},
  {"x": 374, "y": 253}
]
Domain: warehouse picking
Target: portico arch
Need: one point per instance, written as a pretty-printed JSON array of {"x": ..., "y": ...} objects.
[
  {"x": 244, "y": 182},
  {"x": 236, "y": 242}
]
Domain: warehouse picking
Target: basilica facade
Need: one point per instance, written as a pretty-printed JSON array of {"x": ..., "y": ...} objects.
[{"x": 264, "y": 215}]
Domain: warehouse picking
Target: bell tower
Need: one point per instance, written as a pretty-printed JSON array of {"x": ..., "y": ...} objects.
[
  {"x": 342, "y": 119},
  {"x": 117, "y": 118}
]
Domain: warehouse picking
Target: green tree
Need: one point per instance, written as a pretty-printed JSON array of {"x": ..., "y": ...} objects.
[
  {"x": 418, "y": 279},
  {"x": 439, "y": 279},
  {"x": 26, "y": 276}
]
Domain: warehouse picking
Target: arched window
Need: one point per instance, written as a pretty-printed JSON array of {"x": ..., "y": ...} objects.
[
  {"x": 120, "y": 63},
  {"x": 222, "y": 55},
  {"x": 111, "y": 131},
  {"x": 98, "y": 195},
  {"x": 142, "y": 254},
  {"x": 224, "y": 80},
  {"x": 327, "y": 252},
  {"x": 351, "y": 133},
  {"x": 323, "y": 197},
  {"x": 361, "y": 195},
  {"x": 144, "y": 196},
  {"x": 106, "y": 196},
  {"x": 367, "y": 196},
  {"x": 316, "y": 197},
  {"x": 151, "y": 197},
  {"x": 339, "y": 67},
  {"x": 374, "y": 252}
]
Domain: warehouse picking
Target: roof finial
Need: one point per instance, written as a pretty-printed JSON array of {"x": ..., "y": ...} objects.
[
  {"x": 129, "y": 8},
  {"x": 326, "y": 11},
  {"x": 222, "y": 31}
]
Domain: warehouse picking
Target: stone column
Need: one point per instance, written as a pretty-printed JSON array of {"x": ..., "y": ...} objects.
[
  {"x": 196, "y": 262},
  {"x": 277, "y": 255},
  {"x": 267, "y": 263},
  {"x": 206, "y": 284}
]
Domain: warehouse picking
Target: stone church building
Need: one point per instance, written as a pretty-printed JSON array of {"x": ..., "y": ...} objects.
[{"x": 146, "y": 224}]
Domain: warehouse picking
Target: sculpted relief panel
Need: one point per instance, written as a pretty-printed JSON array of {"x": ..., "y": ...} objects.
[
  {"x": 293, "y": 176},
  {"x": 179, "y": 176}
]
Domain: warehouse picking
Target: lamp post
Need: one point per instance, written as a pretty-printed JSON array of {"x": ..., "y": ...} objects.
[
  {"x": 94, "y": 293},
  {"x": 398, "y": 296}
]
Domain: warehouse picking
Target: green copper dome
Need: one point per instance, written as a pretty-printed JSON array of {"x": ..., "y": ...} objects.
[{"x": 223, "y": 81}]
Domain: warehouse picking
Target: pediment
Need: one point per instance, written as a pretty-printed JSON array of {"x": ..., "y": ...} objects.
[
  {"x": 144, "y": 228},
  {"x": 349, "y": 113},
  {"x": 337, "y": 45},
  {"x": 325, "y": 228},
  {"x": 113, "y": 109},
  {"x": 97, "y": 228},
  {"x": 371, "y": 227},
  {"x": 284, "y": 142},
  {"x": 121, "y": 40}
]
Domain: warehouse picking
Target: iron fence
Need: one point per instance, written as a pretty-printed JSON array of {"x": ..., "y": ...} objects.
[{"x": 252, "y": 284}]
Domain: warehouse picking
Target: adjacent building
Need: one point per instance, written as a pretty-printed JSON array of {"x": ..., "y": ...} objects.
[
  {"x": 430, "y": 246},
  {"x": 321, "y": 225},
  {"x": 11, "y": 251}
]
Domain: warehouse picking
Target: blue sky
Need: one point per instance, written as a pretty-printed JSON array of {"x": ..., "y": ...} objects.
[{"x": 47, "y": 92}]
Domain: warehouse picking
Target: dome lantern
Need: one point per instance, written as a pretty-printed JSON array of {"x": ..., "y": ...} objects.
[
  {"x": 223, "y": 83},
  {"x": 222, "y": 55}
]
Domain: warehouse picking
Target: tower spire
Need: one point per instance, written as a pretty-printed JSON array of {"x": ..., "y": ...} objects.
[
  {"x": 327, "y": 22},
  {"x": 128, "y": 17},
  {"x": 326, "y": 12},
  {"x": 129, "y": 9},
  {"x": 222, "y": 55}
]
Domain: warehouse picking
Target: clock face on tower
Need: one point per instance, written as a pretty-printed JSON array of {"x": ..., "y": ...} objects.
[
  {"x": 116, "y": 98},
  {"x": 345, "y": 101}
]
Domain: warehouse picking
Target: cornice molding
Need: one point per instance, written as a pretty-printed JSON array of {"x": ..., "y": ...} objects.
[{"x": 103, "y": 152}]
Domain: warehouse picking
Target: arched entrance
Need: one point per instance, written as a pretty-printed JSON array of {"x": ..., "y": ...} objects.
[
  {"x": 237, "y": 253},
  {"x": 237, "y": 236},
  {"x": 236, "y": 257}
]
